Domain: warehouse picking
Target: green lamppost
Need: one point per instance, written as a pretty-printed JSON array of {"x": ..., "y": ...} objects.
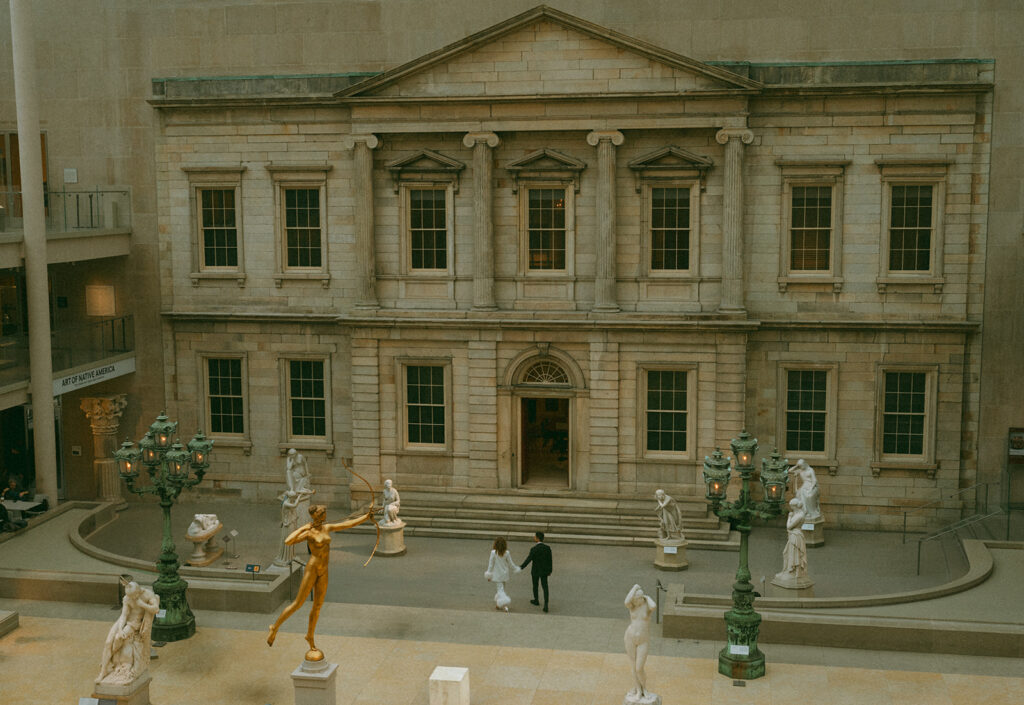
[
  {"x": 171, "y": 469},
  {"x": 741, "y": 658}
]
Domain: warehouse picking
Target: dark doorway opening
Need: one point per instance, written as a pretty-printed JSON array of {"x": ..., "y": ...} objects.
[{"x": 544, "y": 433}]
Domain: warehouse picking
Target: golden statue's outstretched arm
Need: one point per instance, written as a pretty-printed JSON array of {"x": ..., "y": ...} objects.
[{"x": 348, "y": 523}]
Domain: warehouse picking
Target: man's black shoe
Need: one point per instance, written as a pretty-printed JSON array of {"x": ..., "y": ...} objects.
[
  {"x": 545, "y": 608},
  {"x": 534, "y": 602}
]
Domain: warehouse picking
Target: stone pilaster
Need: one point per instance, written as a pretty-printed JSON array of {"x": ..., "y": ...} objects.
[
  {"x": 104, "y": 414},
  {"x": 362, "y": 187},
  {"x": 604, "y": 418},
  {"x": 732, "y": 218},
  {"x": 483, "y": 411},
  {"x": 605, "y": 296},
  {"x": 483, "y": 144},
  {"x": 366, "y": 434}
]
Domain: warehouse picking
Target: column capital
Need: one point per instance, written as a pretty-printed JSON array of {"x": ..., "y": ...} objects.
[
  {"x": 741, "y": 133},
  {"x": 597, "y": 136},
  {"x": 104, "y": 413},
  {"x": 472, "y": 138},
  {"x": 371, "y": 141}
]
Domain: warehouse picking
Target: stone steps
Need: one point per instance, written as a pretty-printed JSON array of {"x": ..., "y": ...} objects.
[{"x": 563, "y": 517}]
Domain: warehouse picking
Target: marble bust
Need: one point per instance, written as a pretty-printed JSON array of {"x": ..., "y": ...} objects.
[{"x": 126, "y": 651}]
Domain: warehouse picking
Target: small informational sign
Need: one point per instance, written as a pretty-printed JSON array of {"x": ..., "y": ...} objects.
[
  {"x": 671, "y": 549},
  {"x": 161, "y": 614},
  {"x": 739, "y": 649},
  {"x": 252, "y": 567},
  {"x": 808, "y": 527}
]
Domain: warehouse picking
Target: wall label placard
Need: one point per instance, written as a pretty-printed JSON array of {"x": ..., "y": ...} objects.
[{"x": 739, "y": 649}]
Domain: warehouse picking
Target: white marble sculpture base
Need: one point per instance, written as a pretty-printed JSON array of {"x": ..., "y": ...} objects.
[
  {"x": 392, "y": 540},
  {"x": 667, "y": 560},
  {"x": 315, "y": 683},
  {"x": 134, "y": 693},
  {"x": 205, "y": 549},
  {"x": 815, "y": 538},
  {"x": 449, "y": 685},
  {"x": 793, "y": 582},
  {"x": 648, "y": 698}
]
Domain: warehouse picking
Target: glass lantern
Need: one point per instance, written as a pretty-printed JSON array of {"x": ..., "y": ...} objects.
[
  {"x": 200, "y": 449},
  {"x": 716, "y": 475},
  {"x": 162, "y": 430},
  {"x": 774, "y": 477},
  {"x": 127, "y": 457},
  {"x": 150, "y": 454},
  {"x": 744, "y": 448},
  {"x": 177, "y": 460}
]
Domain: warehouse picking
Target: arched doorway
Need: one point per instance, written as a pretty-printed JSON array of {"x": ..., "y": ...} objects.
[{"x": 544, "y": 405}]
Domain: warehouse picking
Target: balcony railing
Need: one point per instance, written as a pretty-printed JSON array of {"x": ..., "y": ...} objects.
[
  {"x": 71, "y": 211},
  {"x": 71, "y": 346}
]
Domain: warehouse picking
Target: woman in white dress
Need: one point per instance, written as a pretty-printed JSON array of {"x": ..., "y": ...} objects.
[{"x": 500, "y": 568}]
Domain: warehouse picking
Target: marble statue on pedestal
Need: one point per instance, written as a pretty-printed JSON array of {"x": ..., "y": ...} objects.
[
  {"x": 289, "y": 522},
  {"x": 794, "y": 556},
  {"x": 637, "y": 642},
  {"x": 126, "y": 651},
  {"x": 202, "y": 524},
  {"x": 669, "y": 515},
  {"x": 805, "y": 486},
  {"x": 296, "y": 475},
  {"x": 202, "y": 533},
  {"x": 390, "y": 504}
]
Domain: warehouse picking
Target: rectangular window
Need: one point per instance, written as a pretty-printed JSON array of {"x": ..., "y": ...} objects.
[
  {"x": 10, "y": 175},
  {"x": 224, "y": 389},
  {"x": 307, "y": 398},
  {"x": 428, "y": 228},
  {"x": 910, "y": 228},
  {"x": 219, "y": 228},
  {"x": 546, "y": 229},
  {"x": 666, "y": 410},
  {"x": 810, "y": 228},
  {"x": 302, "y": 227},
  {"x": 670, "y": 228},
  {"x": 424, "y": 404},
  {"x": 806, "y": 410},
  {"x": 904, "y": 412}
]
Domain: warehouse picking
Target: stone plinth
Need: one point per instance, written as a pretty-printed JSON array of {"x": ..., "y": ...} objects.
[
  {"x": 449, "y": 685},
  {"x": 816, "y": 536},
  {"x": 205, "y": 549},
  {"x": 791, "y": 581},
  {"x": 315, "y": 683},
  {"x": 392, "y": 540},
  {"x": 781, "y": 591},
  {"x": 670, "y": 554},
  {"x": 134, "y": 693},
  {"x": 645, "y": 699}
]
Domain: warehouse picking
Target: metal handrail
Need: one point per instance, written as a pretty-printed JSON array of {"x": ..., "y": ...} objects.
[
  {"x": 983, "y": 506},
  {"x": 953, "y": 529},
  {"x": 69, "y": 210}
]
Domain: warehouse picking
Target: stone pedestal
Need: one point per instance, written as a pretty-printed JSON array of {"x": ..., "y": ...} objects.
[
  {"x": 814, "y": 537},
  {"x": 135, "y": 693},
  {"x": 205, "y": 549},
  {"x": 645, "y": 699},
  {"x": 670, "y": 554},
  {"x": 789, "y": 581},
  {"x": 392, "y": 540},
  {"x": 315, "y": 683},
  {"x": 449, "y": 686},
  {"x": 781, "y": 591}
]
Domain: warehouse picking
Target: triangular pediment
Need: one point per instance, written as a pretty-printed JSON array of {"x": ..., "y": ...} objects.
[
  {"x": 670, "y": 158},
  {"x": 425, "y": 161},
  {"x": 546, "y": 52},
  {"x": 546, "y": 160}
]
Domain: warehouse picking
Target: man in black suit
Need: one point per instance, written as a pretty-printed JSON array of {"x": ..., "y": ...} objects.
[{"x": 540, "y": 556}]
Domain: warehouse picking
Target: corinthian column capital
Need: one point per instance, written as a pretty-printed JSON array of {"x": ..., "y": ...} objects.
[
  {"x": 741, "y": 133},
  {"x": 614, "y": 136},
  {"x": 104, "y": 413},
  {"x": 371, "y": 141},
  {"x": 472, "y": 138}
]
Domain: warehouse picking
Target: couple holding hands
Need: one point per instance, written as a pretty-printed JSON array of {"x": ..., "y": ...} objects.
[{"x": 501, "y": 567}]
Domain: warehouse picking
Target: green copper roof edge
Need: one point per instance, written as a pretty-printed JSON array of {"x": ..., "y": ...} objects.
[
  {"x": 243, "y": 78},
  {"x": 893, "y": 62}
]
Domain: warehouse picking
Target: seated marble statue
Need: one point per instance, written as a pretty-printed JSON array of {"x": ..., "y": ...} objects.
[
  {"x": 669, "y": 515},
  {"x": 390, "y": 503},
  {"x": 202, "y": 524},
  {"x": 805, "y": 486},
  {"x": 126, "y": 651}
]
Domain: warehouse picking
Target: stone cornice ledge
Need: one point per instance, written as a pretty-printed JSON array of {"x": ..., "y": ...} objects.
[
  {"x": 916, "y": 324},
  {"x": 583, "y": 321},
  {"x": 250, "y": 316}
]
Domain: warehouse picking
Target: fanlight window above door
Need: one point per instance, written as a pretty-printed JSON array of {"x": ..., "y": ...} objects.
[{"x": 547, "y": 373}]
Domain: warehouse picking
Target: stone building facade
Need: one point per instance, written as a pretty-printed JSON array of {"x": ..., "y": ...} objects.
[{"x": 553, "y": 258}]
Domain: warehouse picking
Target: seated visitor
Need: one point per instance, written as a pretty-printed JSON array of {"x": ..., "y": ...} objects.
[{"x": 15, "y": 490}]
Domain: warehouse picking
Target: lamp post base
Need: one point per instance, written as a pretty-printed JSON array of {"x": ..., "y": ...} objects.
[
  {"x": 178, "y": 622},
  {"x": 741, "y": 666}
]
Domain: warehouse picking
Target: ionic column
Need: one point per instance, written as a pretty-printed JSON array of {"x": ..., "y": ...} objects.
[
  {"x": 104, "y": 414},
  {"x": 362, "y": 187},
  {"x": 732, "y": 218},
  {"x": 605, "y": 295},
  {"x": 483, "y": 144}
]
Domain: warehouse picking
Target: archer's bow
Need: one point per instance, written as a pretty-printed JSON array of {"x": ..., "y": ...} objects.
[{"x": 373, "y": 493}]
